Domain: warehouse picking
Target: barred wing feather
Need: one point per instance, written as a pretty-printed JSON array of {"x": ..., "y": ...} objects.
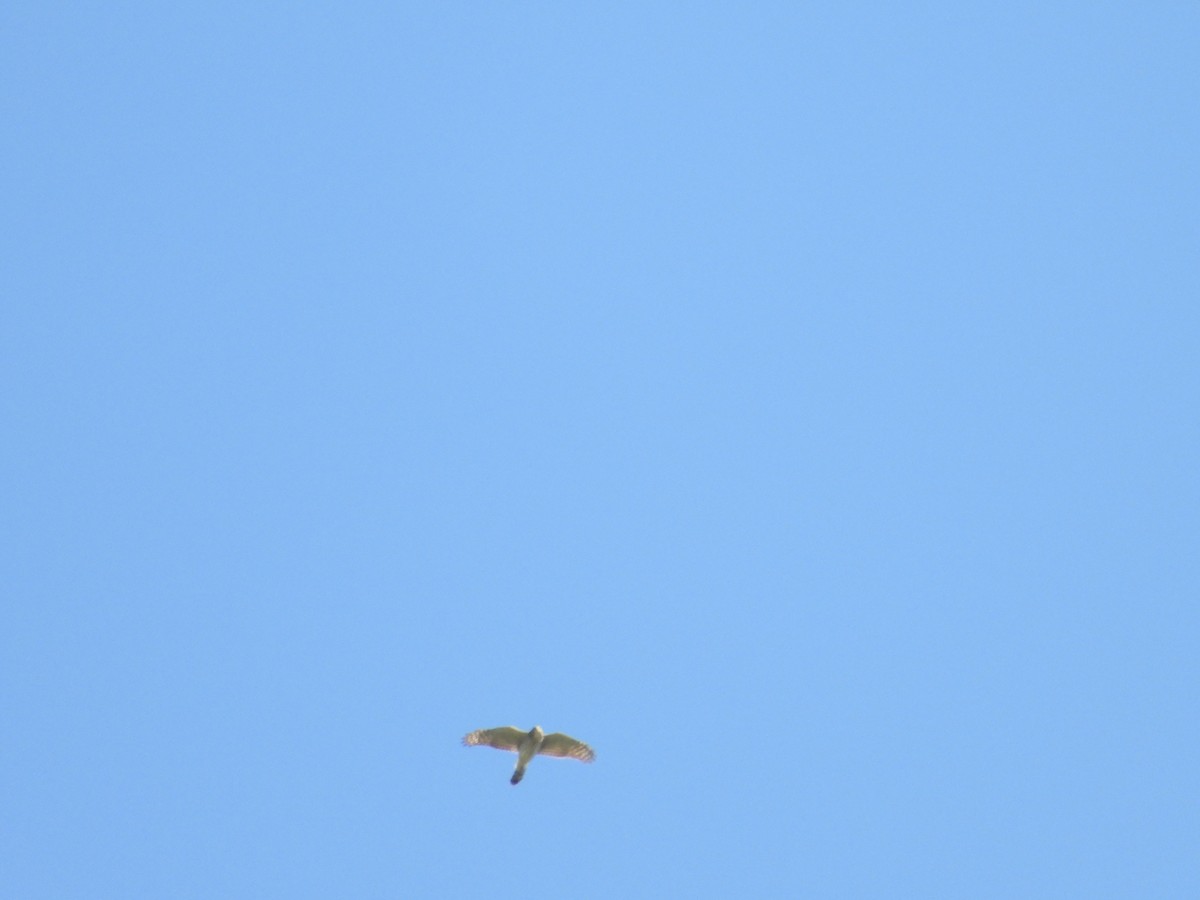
[
  {"x": 504, "y": 738},
  {"x": 563, "y": 745}
]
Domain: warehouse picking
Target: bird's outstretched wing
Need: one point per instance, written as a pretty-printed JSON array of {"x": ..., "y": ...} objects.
[
  {"x": 564, "y": 745},
  {"x": 504, "y": 738}
]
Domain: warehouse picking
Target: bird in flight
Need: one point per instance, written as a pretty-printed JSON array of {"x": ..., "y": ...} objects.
[{"x": 528, "y": 744}]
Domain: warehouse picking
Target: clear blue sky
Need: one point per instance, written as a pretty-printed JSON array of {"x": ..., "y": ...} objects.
[{"x": 798, "y": 402}]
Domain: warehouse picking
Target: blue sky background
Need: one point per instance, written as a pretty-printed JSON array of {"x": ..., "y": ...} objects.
[{"x": 800, "y": 402}]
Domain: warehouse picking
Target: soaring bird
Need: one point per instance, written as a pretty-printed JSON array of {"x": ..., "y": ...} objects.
[{"x": 528, "y": 744}]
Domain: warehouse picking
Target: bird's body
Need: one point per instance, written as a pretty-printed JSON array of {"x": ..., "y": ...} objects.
[{"x": 528, "y": 744}]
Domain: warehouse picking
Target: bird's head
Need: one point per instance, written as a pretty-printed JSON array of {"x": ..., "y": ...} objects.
[{"x": 536, "y": 731}]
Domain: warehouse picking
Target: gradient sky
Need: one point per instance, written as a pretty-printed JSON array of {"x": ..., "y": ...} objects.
[{"x": 799, "y": 402}]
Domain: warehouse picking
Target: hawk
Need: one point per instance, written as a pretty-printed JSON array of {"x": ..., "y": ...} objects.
[{"x": 528, "y": 744}]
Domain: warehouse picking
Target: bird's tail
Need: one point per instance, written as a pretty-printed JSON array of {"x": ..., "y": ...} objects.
[{"x": 518, "y": 774}]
